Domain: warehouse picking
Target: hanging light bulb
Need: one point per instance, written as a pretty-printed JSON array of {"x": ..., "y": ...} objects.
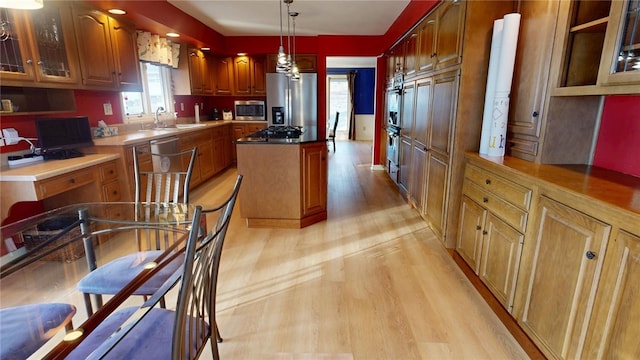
[
  {"x": 282, "y": 66},
  {"x": 295, "y": 72},
  {"x": 288, "y": 2}
]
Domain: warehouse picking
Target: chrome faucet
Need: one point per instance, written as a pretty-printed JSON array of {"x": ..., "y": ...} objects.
[{"x": 156, "y": 121}]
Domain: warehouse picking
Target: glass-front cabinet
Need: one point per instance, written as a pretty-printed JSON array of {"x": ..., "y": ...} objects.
[
  {"x": 623, "y": 63},
  {"x": 599, "y": 46},
  {"x": 38, "y": 45}
]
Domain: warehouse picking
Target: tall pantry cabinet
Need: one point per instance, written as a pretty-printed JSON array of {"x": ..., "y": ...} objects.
[{"x": 449, "y": 81}]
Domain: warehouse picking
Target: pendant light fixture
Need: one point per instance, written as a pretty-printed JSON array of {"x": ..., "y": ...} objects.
[
  {"x": 283, "y": 63},
  {"x": 288, "y": 2},
  {"x": 295, "y": 72}
]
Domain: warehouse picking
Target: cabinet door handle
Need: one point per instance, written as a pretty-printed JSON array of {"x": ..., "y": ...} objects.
[
  {"x": 30, "y": 62},
  {"x": 485, "y": 200},
  {"x": 478, "y": 227},
  {"x": 72, "y": 181},
  {"x": 590, "y": 255},
  {"x": 484, "y": 232},
  {"x": 487, "y": 181},
  {"x": 535, "y": 114}
]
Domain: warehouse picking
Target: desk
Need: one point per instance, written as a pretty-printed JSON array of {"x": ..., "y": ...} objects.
[
  {"x": 41, "y": 274},
  {"x": 93, "y": 177}
]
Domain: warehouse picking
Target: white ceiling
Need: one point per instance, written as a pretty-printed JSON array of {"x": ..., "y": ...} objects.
[{"x": 316, "y": 17}]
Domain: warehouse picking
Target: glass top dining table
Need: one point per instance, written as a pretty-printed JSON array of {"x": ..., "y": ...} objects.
[{"x": 45, "y": 256}]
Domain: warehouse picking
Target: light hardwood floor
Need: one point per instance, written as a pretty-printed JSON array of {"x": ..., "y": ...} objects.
[{"x": 371, "y": 282}]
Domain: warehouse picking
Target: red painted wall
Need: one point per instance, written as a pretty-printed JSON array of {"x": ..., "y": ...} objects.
[
  {"x": 88, "y": 103},
  {"x": 618, "y": 145}
]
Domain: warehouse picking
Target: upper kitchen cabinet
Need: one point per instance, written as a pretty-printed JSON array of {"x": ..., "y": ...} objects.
[
  {"x": 195, "y": 73},
  {"x": 250, "y": 76},
  {"x": 107, "y": 49},
  {"x": 200, "y": 74},
  {"x": 595, "y": 43},
  {"x": 307, "y": 63},
  {"x": 436, "y": 42},
  {"x": 530, "y": 76},
  {"x": 38, "y": 47},
  {"x": 223, "y": 75},
  {"x": 621, "y": 57}
]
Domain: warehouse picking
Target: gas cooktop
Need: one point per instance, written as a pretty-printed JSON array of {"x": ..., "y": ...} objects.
[{"x": 279, "y": 132}]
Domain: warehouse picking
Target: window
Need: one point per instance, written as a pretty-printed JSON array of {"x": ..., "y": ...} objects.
[{"x": 156, "y": 93}]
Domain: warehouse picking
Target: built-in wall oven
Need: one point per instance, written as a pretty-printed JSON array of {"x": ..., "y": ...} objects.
[{"x": 393, "y": 107}]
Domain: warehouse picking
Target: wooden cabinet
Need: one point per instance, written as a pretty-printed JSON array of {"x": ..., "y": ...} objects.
[
  {"x": 404, "y": 167},
  {"x": 221, "y": 148},
  {"x": 241, "y": 130},
  {"x": 200, "y": 74},
  {"x": 41, "y": 48},
  {"x": 110, "y": 182},
  {"x": 493, "y": 219},
  {"x": 203, "y": 167},
  {"x": 620, "y": 58},
  {"x": 451, "y": 85},
  {"x": 613, "y": 332},
  {"x": 250, "y": 76},
  {"x": 564, "y": 268},
  {"x": 530, "y": 77},
  {"x": 307, "y": 63},
  {"x": 223, "y": 78},
  {"x": 419, "y": 138},
  {"x": 107, "y": 50},
  {"x": 314, "y": 178},
  {"x": 406, "y": 133},
  {"x": 437, "y": 41}
]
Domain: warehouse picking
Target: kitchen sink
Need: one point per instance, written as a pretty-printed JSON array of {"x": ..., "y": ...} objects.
[
  {"x": 175, "y": 127},
  {"x": 189, "y": 126}
]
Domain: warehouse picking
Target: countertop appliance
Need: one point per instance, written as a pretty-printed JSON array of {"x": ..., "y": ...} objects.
[
  {"x": 227, "y": 115},
  {"x": 253, "y": 110},
  {"x": 292, "y": 102}
]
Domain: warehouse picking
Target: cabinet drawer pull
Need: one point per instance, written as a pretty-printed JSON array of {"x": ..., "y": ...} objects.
[
  {"x": 72, "y": 181},
  {"x": 590, "y": 255},
  {"x": 485, "y": 200},
  {"x": 487, "y": 181}
]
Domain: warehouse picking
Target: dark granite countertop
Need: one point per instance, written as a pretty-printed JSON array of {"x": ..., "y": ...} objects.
[{"x": 309, "y": 134}]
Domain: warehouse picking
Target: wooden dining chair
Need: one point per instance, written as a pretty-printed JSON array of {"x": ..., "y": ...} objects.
[
  {"x": 150, "y": 332},
  {"x": 24, "y": 329},
  {"x": 159, "y": 178},
  {"x": 332, "y": 131}
]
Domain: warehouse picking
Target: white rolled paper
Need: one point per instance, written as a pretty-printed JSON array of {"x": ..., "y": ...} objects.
[
  {"x": 506, "y": 62},
  {"x": 492, "y": 76}
]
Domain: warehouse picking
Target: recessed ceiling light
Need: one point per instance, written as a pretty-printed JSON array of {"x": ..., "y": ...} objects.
[
  {"x": 242, "y": 54},
  {"x": 205, "y": 49},
  {"x": 172, "y": 34},
  {"x": 117, "y": 11}
]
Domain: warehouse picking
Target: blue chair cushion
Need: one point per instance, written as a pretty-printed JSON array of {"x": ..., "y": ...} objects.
[
  {"x": 151, "y": 338},
  {"x": 113, "y": 276},
  {"x": 24, "y": 329}
]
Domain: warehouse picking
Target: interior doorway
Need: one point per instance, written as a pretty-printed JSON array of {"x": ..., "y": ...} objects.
[{"x": 338, "y": 101}]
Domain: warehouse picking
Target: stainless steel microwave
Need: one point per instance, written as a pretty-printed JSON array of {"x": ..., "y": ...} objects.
[{"x": 250, "y": 110}]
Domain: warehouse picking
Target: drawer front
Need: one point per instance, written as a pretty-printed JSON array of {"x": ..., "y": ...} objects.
[
  {"x": 507, "y": 190},
  {"x": 108, "y": 172},
  {"x": 66, "y": 182},
  {"x": 509, "y": 213},
  {"x": 111, "y": 191}
]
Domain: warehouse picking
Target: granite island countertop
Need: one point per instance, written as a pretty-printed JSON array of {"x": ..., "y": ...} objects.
[{"x": 309, "y": 135}]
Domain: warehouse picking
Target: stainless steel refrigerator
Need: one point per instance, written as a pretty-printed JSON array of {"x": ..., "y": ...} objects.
[{"x": 293, "y": 102}]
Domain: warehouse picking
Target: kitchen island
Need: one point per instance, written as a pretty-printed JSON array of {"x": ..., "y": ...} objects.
[{"x": 284, "y": 178}]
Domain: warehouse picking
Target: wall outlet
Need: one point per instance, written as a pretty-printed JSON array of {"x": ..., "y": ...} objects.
[
  {"x": 107, "y": 109},
  {"x": 181, "y": 106}
]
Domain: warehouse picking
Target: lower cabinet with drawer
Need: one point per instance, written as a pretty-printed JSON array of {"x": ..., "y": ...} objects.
[
  {"x": 493, "y": 217},
  {"x": 559, "y": 248}
]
